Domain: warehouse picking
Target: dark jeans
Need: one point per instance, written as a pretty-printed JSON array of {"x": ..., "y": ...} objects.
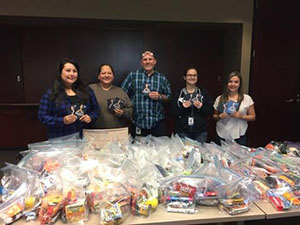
[
  {"x": 242, "y": 140},
  {"x": 200, "y": 137},
  {"x": 157, "y": 131}
]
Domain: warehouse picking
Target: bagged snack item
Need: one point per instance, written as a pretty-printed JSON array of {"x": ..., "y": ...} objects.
[
  {"x": 42, "y": 161},
  {"x": 236, "y": 195},
  {"x": 11, "y": 210},
  {"x": 207, "y": 193},
  {"x": 115, "y": 206},
  {"x": 52, "y": 201},
  {"x": 74, "y": 204},
  {"x": 277, "y": 199},
  {"x": 33, "y": 197},
  {"x": 74, "y": 207},
  {"x": 50, "y": 207},
  {"x": 94, "y": 197},
  {"x": 144, "y": 202},
  {"x": 178, "y": 195},
  {"x": 115, "y": 211},
  {"x": 234, "y": 204},
  {"x": 15, "y": 184}
]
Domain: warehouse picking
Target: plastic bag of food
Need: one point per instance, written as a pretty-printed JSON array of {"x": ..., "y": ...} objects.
[
  {"x": 144, "y": 201},
  {"x": 52, "y": 202},
  {"x": 12, "y": 209},
  {"x": 115, "y": 205},
  {"x": 235, "y": 196}
]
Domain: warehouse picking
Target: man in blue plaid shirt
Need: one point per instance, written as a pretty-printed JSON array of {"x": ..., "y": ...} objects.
[{"x": 148, "y": 90}]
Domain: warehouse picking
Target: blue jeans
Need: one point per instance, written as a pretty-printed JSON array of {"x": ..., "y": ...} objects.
[{"x": 200, "y": 137}]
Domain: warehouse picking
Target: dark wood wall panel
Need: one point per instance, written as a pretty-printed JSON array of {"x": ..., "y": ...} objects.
[
  {"x": 178, "y": 50},
  {"x": 43, "y": 48},
  {"x": 275, "y": 75},
  {"x": 11, "y": 77},
  {"x": 40, "y": 55},
  {"x": 20, "y": 127},
  {"x": 93, "y": 47}
]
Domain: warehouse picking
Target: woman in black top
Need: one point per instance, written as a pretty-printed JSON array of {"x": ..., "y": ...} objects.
[{"x": 191, "y": 105}]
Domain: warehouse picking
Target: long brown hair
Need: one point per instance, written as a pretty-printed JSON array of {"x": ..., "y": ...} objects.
[
  {"x": 224, "y": 97},
  {"x": 58, "y": 88}
]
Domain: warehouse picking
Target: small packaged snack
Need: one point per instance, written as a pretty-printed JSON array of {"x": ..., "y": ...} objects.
[
  {"x": 178, "y": 194},
  {"x": 50, "y": 207},
  {"x": 115, "y": 211},
  {"x": 143, "y": 202},
  {"x": 11, "y": 210},
  {"x": 74, "y": 206},
  {"x": 15, "y": 185},
  {"x": 278, "y": 201},
  {"x": 207, "y": 193},
  {"x": 115, "y": 204},
  {"x": 180, "y": 204},
  {"x": 94, "y": 197},
  {"x": 234, "y": 204},
  {"x": 1, "y": 193},
  {"x": 291, "y": 197},
  {"x": 236, "y": 196},
  {"x": 33, "y": 196}
]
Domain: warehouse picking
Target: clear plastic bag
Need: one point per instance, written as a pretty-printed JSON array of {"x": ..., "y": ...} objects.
[
  {"x": 52, "y": 202},
  {"x": 115, "y": 205},
  {"x": 23, "y": 193},
  {"x": 235, "y": 197},
  {"x": 144, "y": 201}
]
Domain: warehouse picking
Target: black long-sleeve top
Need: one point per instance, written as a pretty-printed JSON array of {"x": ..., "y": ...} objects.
[{"x": 182, "y": 114}]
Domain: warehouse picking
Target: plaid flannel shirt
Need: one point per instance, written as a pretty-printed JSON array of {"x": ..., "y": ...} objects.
[
  {"x": 51, "y": 115},
  {"x": 147, "y": 112}
]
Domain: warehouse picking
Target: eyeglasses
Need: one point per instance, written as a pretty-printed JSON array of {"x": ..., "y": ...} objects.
[{"x": 192, "y": 75}]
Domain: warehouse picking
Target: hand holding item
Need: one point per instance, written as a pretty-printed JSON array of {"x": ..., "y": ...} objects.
[
  {"x": 237, "y": 115},
  {"x": 118, "y": 112},
  {"x": 85, "y": 118},
  {"x": 69, "y": 119},
  {"x": 154, "y": 95},
  {"x": 223, "y": 115},
  {"x": 197, "y": 104},
  {"x": 186, "y": 104}
]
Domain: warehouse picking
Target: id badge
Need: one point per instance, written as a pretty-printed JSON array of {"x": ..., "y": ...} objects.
[
  {"x": 191, "y": 121},
  {"x": 138, "y": 131}
]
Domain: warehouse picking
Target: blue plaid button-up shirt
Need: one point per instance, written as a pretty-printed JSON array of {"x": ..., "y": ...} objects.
[
  {"x": 51, "y": 115},
  {"x": 147, "y": 112}
]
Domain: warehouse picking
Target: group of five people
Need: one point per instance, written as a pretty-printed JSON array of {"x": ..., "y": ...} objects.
[{"x": 69, "y": 105}]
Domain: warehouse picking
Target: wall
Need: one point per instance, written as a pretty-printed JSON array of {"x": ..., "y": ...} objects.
[{"x": 208, "y": 11}]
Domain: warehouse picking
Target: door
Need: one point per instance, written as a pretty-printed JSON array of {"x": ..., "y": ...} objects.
[
  {"x": 11, "y": 78},
  {"x": 275, "y": 72}
]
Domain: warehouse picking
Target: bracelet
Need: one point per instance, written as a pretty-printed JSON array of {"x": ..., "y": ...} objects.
[{"x": 160, "y": 97}]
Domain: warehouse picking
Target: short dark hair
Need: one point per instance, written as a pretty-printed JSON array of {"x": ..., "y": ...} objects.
[
  {"x": 190, "y": 68},
  {"x": 105, "y": 64}
]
